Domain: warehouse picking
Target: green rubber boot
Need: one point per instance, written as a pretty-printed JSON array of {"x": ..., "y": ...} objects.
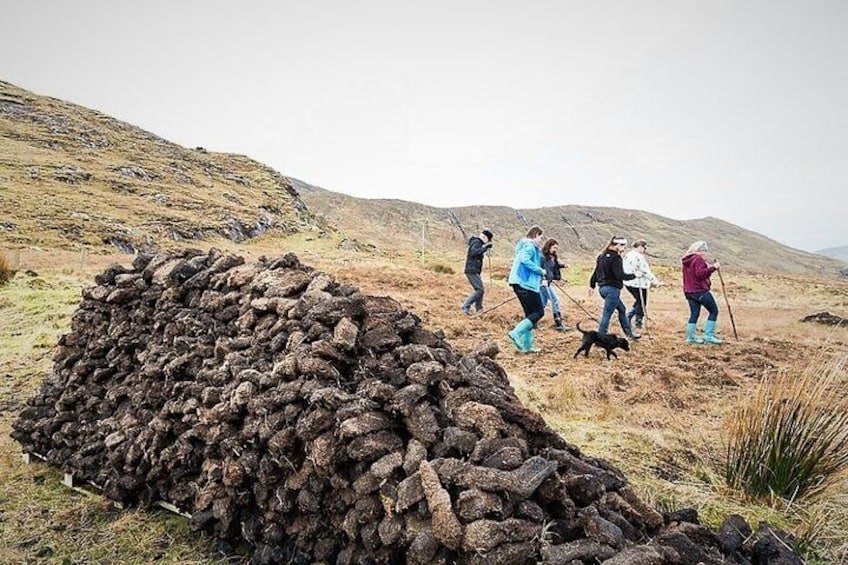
[
  {"x": 528, "y": 343},
  {"x": 709, "y": 333},
  {"x": 519, "y": 334},
  {"x": 691, "y": 330}
]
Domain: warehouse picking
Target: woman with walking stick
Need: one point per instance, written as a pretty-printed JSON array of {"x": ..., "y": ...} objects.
[
  {"x": 477, "y": 247},
  {"x": 635, "y": 262},
  {"x": 696, "y": 288}
]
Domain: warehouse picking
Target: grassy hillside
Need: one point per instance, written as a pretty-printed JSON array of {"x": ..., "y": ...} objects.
[
  {"x": 71, "y": 176},
  {"x": 581, "y": 230}
]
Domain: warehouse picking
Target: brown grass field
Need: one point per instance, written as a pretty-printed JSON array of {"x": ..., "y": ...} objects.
[{"x": 658, "y": 412}]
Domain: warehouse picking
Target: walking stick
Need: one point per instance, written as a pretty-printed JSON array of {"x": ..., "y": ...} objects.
[
  {"x": 726, "y": 301},
  {"x": 489, "y": 257},
  {"x": 487, "y": 310},
  {"x": 643, "y": 296},
  {"x": 591, "y": 317}
]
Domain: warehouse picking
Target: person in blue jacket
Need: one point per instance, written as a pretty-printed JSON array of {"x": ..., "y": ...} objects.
[
  {"x": 525, "y": 278},
  {"x": 478, "y": 245}
]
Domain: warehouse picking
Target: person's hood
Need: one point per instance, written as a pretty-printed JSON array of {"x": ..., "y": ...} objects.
[
  {"x": 687, "y": 260},
  {"x": 525, "y": 242}
]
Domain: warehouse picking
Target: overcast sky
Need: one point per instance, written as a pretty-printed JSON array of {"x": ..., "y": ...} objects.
[{"x": 734, "y": 109}]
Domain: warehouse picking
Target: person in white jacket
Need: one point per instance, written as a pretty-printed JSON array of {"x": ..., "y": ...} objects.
[{"x": 635, "y": 262}]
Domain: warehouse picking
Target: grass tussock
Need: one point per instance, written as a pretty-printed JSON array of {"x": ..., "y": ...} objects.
[
  {"x": 562, "y": 396},
  {"x": 790, "y": 438},
  {"x": 442, "y": 269},
  {"x": 6, "y": 272}
]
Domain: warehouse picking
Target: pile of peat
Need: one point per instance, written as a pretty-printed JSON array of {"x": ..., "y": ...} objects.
[
  {"x": 825, "y": 318},
  {"x": 282, "y": 408}
]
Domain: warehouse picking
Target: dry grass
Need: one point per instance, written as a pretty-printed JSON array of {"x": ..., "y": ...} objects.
[
  {"x": 657, "y": 412},
  {"x": 822, "y": 525},
  {"x": 6, "y": 272}
]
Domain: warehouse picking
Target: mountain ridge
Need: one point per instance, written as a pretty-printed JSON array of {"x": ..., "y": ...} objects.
[
  {"x": 74, "y": 177},
  {"x": 582, "y": 231},
  {"x": 840, "y": 252}
]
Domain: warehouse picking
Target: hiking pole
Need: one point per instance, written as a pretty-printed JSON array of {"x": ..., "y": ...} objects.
[
  {"x": 726, "y": 301},
  {"x": 591, "y": 317},
  {"x": 489, "y": 257},
  {"x": 487, "y": 310},
  {"x": 643, "y": 296}
]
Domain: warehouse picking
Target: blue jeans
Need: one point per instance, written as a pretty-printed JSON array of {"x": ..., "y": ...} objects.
[
  {"x": 612, "y": 301},
  {"x": 548, "y": 293},
  {"x": 698, "y": 299},
  {"x": 476, "y": 297}
]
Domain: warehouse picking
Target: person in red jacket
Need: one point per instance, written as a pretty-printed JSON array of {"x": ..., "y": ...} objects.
[{"x": 696, "y": 288}]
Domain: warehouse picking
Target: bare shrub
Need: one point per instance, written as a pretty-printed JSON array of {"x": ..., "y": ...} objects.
[{"x": 790, "y": 438}]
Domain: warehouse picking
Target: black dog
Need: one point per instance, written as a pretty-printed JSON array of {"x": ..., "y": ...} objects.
[{"x": 607, "y": 341}]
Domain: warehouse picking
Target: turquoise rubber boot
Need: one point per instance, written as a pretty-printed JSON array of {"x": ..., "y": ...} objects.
[
  {"x": 691, "y": 330},
  {"x": 528, "y": 342},
  {"x": 519, "y": 334},
  {"x": 709, "y": 333}
]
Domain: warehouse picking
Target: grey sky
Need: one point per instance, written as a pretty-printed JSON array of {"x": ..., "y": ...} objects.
[{"x": 733, "y": 109}]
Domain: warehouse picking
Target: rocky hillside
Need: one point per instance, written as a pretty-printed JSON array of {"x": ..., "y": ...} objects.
[
  {"x": 581, "y": 230},
  {"x": 71, "y": 176}
]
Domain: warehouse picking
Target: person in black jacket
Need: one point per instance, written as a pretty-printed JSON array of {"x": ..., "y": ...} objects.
[
  {"x": 477, "y": 247},
  {"x": 609, "y": 277},
  {"x": 553, "y": 272}
]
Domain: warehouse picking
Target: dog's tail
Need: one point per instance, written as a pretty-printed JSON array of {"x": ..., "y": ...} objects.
[{"x": 579, "y": 328}]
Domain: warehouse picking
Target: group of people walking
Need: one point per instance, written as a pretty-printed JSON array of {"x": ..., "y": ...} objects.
[{"x": 536, "y": 270}]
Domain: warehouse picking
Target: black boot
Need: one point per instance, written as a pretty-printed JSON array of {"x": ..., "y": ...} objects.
[{"x": 558, "y": 322}]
